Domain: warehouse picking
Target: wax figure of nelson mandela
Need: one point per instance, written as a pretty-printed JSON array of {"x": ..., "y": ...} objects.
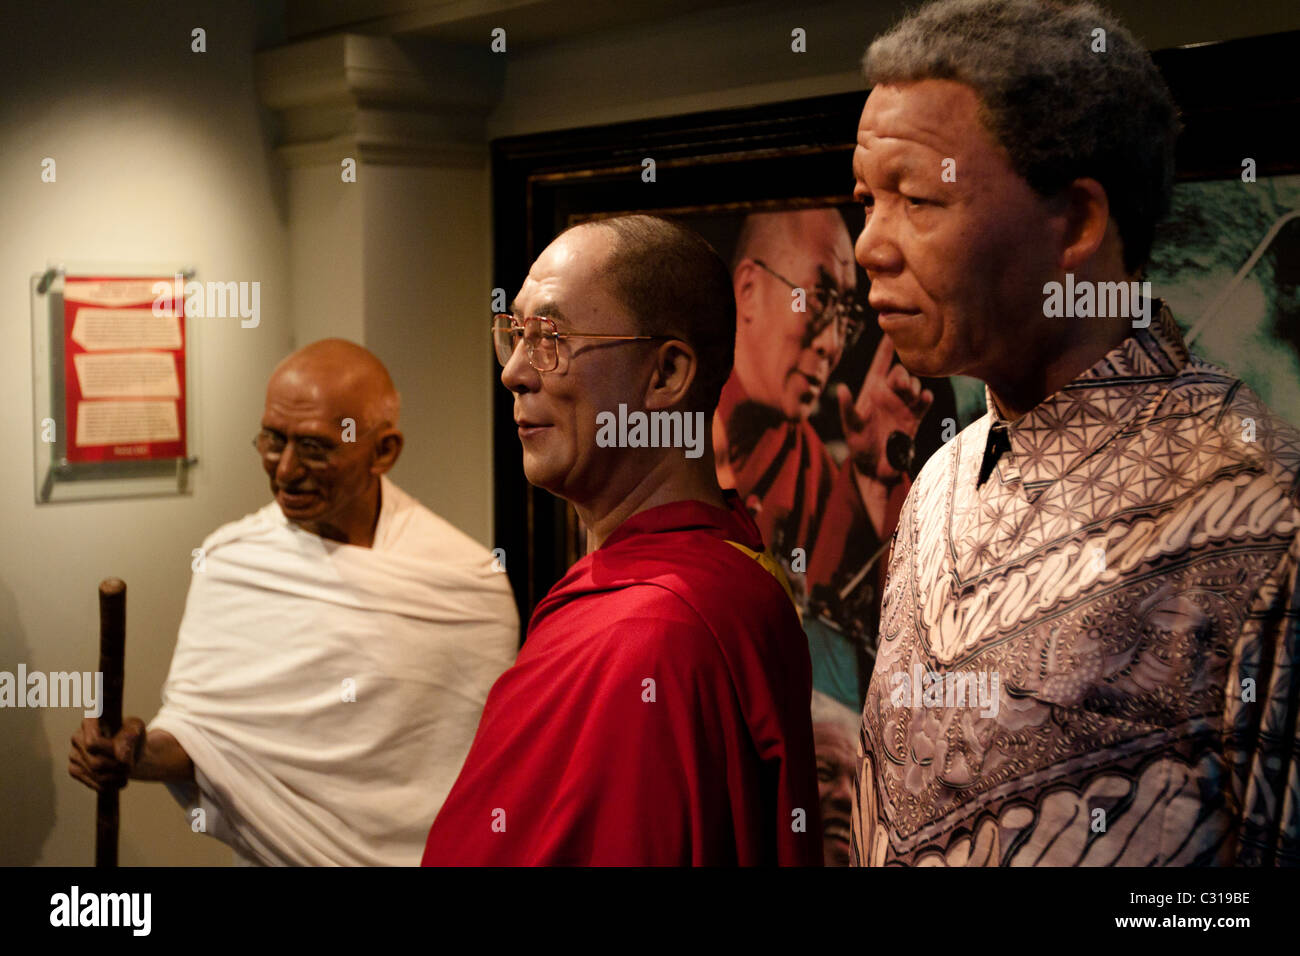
[
  {"x": 337, "y": 645},
  {"x": 1088, "y": 637}
]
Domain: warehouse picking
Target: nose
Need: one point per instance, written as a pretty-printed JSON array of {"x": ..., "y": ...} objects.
[
  {"x": 518, "y": 375},
  {"x": 289, "y": 467},
  {"x": 877, "y": 249},
  {"x": 829, "y": 342},
  {"x": 842, "y": 790}
]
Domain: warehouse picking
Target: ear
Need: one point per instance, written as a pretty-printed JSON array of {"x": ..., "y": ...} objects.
[
  {"x": 1087, "y": 218},
  {"x": 388, "y": 448},
  {"x": 676, "y": 366},
  {"x": 743, "y": 285}
]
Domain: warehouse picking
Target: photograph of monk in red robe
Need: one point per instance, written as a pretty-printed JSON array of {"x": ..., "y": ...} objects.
[{"x": 819, "y": 429}]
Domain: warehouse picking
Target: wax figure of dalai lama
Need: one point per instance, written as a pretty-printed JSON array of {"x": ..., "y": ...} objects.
[
  {"x": 659, "y": 710},
  {"x": 336, "y": 649},
  {"x": 1088, "y": 641}
]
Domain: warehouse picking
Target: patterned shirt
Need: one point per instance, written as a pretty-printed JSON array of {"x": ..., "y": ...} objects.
[{"x": 1088, "y": 657}]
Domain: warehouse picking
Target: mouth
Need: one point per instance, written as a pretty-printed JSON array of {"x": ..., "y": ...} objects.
[
  {"x": 890, "y": 313},
  {"x": 836, "y": 828},
  {"x": 814, "y": 383},
  {"x": 296, "y": 499},
  {"x": 893, "y": 320},
  {"x": 530, "y": 429}
]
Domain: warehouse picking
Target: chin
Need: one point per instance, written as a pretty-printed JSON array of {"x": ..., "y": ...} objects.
[
  {"x": 798, "y": 411},
  {"x": 836, "y": 853},
  {"x": 927, "y": 352},
  {"x": 539, "y": 474},
  {"x": 926, "y": 363}
]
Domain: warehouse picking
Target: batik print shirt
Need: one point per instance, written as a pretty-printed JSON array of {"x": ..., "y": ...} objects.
[{"x": 1089, "y": 657}]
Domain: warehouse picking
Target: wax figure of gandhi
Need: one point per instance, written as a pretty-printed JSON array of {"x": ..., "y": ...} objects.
[
  {"x": 336, "y": 649},
  {"x": 659, "y": 709},
  {"x": 1087, "y": 646}
]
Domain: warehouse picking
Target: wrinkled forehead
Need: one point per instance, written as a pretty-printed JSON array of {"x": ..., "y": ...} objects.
[
  {"x": 303, "y": 395},
  {"x": 920, "y": 120}
]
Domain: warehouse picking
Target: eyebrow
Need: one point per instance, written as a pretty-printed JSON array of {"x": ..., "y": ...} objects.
[
  {"x": 304, "y": 434},
  {"x": 895, "y": 169},
  {"x": 896, "y": 164},
  {"x": 547, "y": 310}
]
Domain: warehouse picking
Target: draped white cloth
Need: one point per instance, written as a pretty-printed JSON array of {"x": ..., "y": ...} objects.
[{"x": 281, "y": 628}]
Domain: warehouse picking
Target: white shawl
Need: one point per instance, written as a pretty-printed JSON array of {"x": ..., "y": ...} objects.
[{"x": 280, "y": 627}]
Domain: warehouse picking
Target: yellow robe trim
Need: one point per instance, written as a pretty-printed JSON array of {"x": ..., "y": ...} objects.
[{"x": 768, "y": 564}]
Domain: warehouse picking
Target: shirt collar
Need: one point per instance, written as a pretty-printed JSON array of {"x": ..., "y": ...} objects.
[
  {"x": 733, "y": 522},
  {"x": 1070, "y": 426}
]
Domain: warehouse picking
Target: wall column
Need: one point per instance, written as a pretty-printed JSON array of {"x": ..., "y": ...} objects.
[{"x": 400, "y": 259}]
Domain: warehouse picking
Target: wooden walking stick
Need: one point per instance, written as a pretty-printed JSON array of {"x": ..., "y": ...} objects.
[{"x": 112, "y": 648}]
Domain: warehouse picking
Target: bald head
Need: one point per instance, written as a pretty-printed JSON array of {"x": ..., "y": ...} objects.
[
  {"x": 775, "y": 235},
  {"x": 349, "y": 375},
  {"x": 786, "y": 267},
  {"x": 329, "y": 433}
]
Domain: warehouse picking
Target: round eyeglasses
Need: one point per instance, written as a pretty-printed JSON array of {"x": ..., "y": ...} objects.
[
  {"x": 314, "y": 453},
  {"x": 541, "y": 339},
  {"x": 833, "y": 303}
]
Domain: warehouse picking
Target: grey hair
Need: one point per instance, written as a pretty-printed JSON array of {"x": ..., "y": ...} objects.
[{"x": 1060, "y": 110}]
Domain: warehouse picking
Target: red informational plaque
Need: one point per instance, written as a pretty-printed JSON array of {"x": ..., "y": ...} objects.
[{"x": 124, "y": 369}]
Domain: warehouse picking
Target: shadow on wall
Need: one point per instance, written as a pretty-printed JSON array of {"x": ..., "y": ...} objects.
[{"x": 26, "y": 769}]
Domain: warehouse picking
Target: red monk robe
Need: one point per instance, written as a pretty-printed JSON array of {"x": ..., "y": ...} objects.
[
  {"x": 658, "y": 713},
  {"x": 803, "y": 498}
]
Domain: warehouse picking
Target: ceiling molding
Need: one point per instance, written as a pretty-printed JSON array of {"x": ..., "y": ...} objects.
[{"x": 382, "y": 99}]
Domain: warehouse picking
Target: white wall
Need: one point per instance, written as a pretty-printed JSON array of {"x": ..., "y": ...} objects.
[
  {"x": 399, "y": 261},
  {"x": 161, "y": 155},
  {"x": 427, "y": 306},
  {"x": 325, "y": 266}
]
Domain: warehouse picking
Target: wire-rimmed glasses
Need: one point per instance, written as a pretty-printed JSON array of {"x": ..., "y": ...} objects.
[
  {"x": 314, "y": 453},
  {"x": 541, "y": 338},
  {"x": 832, "y": 302}
]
